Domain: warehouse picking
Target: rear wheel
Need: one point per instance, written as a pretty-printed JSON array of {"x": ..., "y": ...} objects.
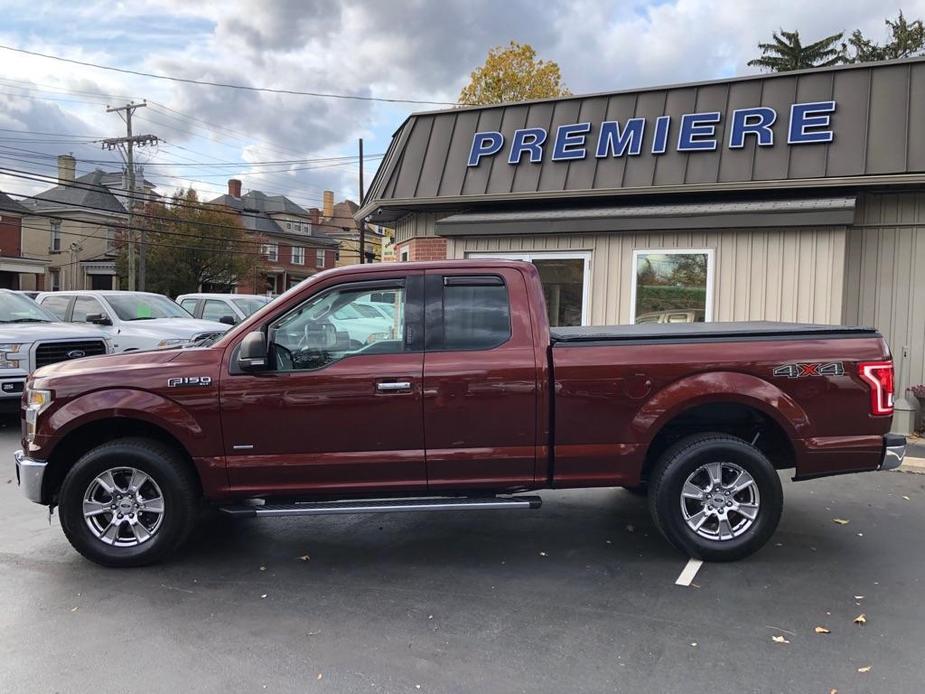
[
  {"x": 128, "y": 503},
  {"x": 715, "y": 497}
]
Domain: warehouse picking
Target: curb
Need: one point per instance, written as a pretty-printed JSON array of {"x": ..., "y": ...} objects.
[{"x": 916, "y": 465}]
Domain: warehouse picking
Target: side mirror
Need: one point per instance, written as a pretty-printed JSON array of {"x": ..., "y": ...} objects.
[
  {"x": 252, "y": 354},
  {"x": 98, "y": 319},
  {"x": 228, "y": 320}
]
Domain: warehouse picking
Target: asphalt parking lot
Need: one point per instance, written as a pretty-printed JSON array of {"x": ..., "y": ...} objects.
[{"x": 579, "y": 596}]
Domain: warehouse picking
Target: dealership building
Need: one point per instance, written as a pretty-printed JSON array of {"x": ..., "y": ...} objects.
[{"x": 790, "y": 197}]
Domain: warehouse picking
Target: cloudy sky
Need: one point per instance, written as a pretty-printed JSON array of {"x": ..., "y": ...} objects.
[{"x": 416, "y": 50}]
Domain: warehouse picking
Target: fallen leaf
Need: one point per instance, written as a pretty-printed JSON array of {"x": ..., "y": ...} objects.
[
  {"x": 866, "y": 668},
  {"x": 779, "y": 639},
  {"x": 906, "y": 498},
  {"x": 305, "y": 557},
  {"x": 630, "y": 528},
  {"x": 542, "y": 554},
  {"x": 860, "y": 619},
  {"x": 858, "y": 597},
  {"x": 694, "y": 644},
  {"x": 833, "y": 691},
  {"x": 263, "y": 596},
  {"x": 841, "y": 521},
  {"x": 319, "y": 676},
  {"x": 75, "y": 609},
  {"x": 860, "y": 534},
  {"x": 822, "y": 630},
  {"x": 263, "y": 568}
]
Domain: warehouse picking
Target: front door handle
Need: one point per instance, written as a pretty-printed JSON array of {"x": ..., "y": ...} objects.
[{"x": 394, "y": 387}]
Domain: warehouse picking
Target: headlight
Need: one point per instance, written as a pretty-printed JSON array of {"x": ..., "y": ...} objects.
[
  {"x": 173, "y": 342},
  {"x": 12, "y": 355},
  {"x": 37, "y": 401}
]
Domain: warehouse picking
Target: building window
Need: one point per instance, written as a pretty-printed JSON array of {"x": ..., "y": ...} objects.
[
  {"x": 405, "y": 255},
  {"x": 270, "y": 251},
  {"x": 672, "y": 286},
  {"x": 298, "y": 255},
  {"x": 289, "y": 226},
  {"x": 110, "y": 239},
  {"x": 566, "y": 279},
  {"x": 55, "y": 246},
  {"x": 319, "y": 257},
  {"x": 55, "y": 280}
]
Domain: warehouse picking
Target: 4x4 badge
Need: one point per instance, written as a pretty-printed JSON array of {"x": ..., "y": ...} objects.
[
  {"x": 189, "y": 381},
  {"x": 812, "y": 368}
]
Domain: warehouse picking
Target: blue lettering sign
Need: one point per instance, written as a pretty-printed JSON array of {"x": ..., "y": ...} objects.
[
  {"x": 570, "y": 142},
  {"x": 660, "y": 138},
  {"x": 698, "y": 132},
  {"x": 806, "y": 119},
  {"x": 527, "y": 140},
  {"x": 616, "y": 142},
  {"x": 755, "y": 121},
  {"x": 485, "y": 144}
]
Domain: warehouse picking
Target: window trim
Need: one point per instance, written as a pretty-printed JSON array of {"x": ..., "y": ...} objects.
[
  {"x": 292, "y": 255},
  {"x": 529, "y": 256},
  {"x": 711, "y": 275},
  {"x": 320, "y": 255},
  {"x": 265, "y": 251}
]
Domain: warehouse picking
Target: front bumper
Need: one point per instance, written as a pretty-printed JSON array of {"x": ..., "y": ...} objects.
[
  {"x": 29, "y": 476},
  {"x": 894, "y": 450}
]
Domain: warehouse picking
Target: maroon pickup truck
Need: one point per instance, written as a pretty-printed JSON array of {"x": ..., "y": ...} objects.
[{"x": 441, "y": 387}]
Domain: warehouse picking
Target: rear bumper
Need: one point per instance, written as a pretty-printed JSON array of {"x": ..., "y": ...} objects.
[
  {"x": 894, "y": 450},
  {"x": 29, "y": 476}
]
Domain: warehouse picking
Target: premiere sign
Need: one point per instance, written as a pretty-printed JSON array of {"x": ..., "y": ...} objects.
[{"x": 808, "y": 123}]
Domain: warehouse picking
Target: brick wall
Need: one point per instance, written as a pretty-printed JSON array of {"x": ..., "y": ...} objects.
[
  {"x": 423, "y": 248},
  {"x": 10, "y": 238}
]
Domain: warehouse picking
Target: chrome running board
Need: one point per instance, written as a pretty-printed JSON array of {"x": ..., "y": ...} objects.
[{"x": 321, "y": 508}]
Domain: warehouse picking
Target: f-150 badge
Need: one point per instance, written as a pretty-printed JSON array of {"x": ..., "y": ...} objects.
[
  {"x": 189, "y": 381},
  {"x": 815, "y": 368}
]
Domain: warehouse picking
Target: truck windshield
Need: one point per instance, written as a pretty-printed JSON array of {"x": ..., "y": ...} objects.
[
  {"x": 18, "y": 309},
  {"x": 131, "y": 307}
]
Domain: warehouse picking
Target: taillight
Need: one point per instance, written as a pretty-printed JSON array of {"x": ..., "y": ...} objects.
[{"x": 879, "y": 376}]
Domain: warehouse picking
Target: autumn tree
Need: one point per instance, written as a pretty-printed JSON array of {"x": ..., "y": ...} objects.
[
  {"x": 513, "y": 73},
  {"x": 906, "y": 39},
  {"x": 191, "y": 245},
  {"x": 786, "y": 52}
]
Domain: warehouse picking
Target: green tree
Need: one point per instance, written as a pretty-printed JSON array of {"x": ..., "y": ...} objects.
[
  {"x": 191, "y": 244},
  {"x": 513, "y": 73},
  {"x": 906, "y": 39},
  {"x": 787, "y": 52}
]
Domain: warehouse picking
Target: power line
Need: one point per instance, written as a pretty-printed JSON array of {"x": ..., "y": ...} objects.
[{"x": 226, "y": 85}]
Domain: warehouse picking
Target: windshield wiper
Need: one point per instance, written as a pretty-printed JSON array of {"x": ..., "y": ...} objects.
[
  {"x": 142, "y": 318},
  {"x": 27, "y": 320}
]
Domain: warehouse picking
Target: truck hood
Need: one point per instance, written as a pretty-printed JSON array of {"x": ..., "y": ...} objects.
[
  {"x": 109, "y": 364},
  {"x": 32, "y": 332},
  {"x": 173, "y": 327}
]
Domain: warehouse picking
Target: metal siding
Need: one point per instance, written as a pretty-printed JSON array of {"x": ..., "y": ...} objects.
[
  {"x": 502, "y": 173},
  {"x": 736, "y": 164},
  {"x": 527, "y": 177},
  {"x": 580, "y": 174},
  {"x": 669, "y": 169},
  {"x": 454, "y": 173},
  {"x": 808, "y": 160},
  {"x": 851, "y": 92},
  {"x": 703, "y": 167},
  {"x": 640, "y": 171},
  {"x": 552, "y": 175},
  {"x": 410, "y": 171},
  {"x": 886, "y": 133},
  {"x": 608, "y": 171},
  {"x": 916, "y": 156},
  {"x": 774, "y": 162},
  {"x": 435, "y": 158}
]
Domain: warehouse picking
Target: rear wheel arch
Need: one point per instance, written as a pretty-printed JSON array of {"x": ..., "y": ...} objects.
[{"x": 90, "y": 435}]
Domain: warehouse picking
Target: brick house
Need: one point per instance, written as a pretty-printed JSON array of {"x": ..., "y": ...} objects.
[
  {"x": 288, "y": 233},
  {"x": 17, "y": 271},
  {"x": 337, "y": 223}
]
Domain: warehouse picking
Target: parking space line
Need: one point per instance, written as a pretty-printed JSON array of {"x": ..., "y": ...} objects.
[{"x": 690, "y": 570}]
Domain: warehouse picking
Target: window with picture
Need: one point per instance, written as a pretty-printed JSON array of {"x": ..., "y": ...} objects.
[{"x": 672, "y": 286}]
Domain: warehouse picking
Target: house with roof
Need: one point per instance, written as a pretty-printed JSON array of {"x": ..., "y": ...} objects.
[
  {"x": 289, "y": 238},
  {"x": 16, "y": 270},
  {"x": 75, "y": 226},
  {"x": 337, "y": 222}
]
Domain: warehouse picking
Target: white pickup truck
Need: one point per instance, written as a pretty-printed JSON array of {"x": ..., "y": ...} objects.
[
  {"x": 132, "y": 320},
  {"x": 31, "y": 337}
]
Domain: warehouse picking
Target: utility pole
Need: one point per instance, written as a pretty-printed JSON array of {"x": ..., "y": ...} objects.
[
  {"x": 362, "y": 223},
  {"x": 126, "y": 146}
]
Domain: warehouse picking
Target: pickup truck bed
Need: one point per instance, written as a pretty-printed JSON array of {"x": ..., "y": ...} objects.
[{"x": 704, "y": 332}]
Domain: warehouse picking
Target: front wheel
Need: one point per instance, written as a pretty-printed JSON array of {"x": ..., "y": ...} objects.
[
  {"x": 128, "y": 503},
  {"x": 715, "y": 497}
]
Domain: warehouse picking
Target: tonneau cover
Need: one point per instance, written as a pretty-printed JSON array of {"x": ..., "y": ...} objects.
[{"x": 679, "y": 332}]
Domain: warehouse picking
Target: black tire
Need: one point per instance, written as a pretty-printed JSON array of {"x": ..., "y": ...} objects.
[
  {"x": 682, "y": 460},
  {"x": 176, "y": 481}
]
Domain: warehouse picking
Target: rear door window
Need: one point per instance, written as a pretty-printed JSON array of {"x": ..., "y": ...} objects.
[
  {"x": 215, "y": 309},
  {"x": 190, "y": 305},
  {"x": 476, "y": 313}
]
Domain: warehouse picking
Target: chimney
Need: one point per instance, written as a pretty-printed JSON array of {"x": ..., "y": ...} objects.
[
  {"x": 328, "y": 205},
  {"x": 67, "y": 167},
  {"x": 234, "y": 187}
]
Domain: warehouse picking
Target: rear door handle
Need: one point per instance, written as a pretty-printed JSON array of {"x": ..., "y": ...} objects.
[{"x": 394, "y": 387}]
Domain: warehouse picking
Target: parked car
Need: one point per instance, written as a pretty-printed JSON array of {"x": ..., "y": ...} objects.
[
  {"x": 682, "y": 315},
  {"x": 31, "y": 337},
  {"x": 230, "y": 309},
  {"x": 468, "y": 399},
  {"x": 28, "y": 293},
  {"x": 132, "y": 320}
]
